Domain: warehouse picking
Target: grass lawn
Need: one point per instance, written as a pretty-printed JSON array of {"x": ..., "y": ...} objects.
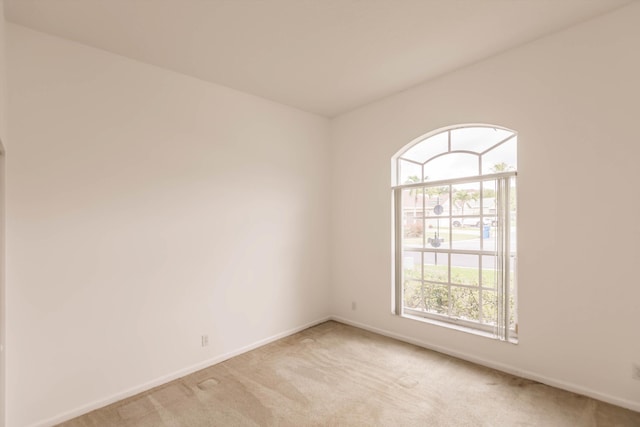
[{"x": 459, "y": 275}]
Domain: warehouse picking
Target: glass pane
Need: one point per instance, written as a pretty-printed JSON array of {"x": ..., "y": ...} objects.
[
  {"x": 464, "y": 269},
  {"x": 466, "y": 230},
  {"x": 477, "y": 139},
  {"x": 412, "y": 218},
  {"x": 489, "y": 206},
  {"x": 409, "y": 173},
  {"x": 436, "y": 259},
  {"x": 467, "y": 222},
  {"x": 465, "y": 303},
  {"x": 437, "y": 233},
  {"x": 466, "y": 233},
  {"x": 413, "y": 294},
  {"x": 489, "y": 266},
  {"x": 436, "y": 224},
  {"x": 466, "y": 199},
  {"x": 437, "y": 298},
  {"x": 437, "y": 201},
  {"x": 512, "y": 214},
  {"x": 489, "y": 233},
  {"x": 490, "y": 217},
  {"x": 502, "y": 158},
  {"x": 436, "y": 267},
  {"x": 512, "y": 312},
  {"x": 412, "y": 265},
  {"x": 424, "y": 150},
  {"x": 489, "y": 307},
  {"x": 450, "y": 166},
  {"x": 513, "y": 294}
]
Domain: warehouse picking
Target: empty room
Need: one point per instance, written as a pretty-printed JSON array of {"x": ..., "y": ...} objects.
[{"x": 319, "y": 213}]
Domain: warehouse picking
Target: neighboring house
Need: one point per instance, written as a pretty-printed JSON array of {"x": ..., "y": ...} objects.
[
  {"x": 413, "y": 207},
  {"x": 472, "y": 207}
]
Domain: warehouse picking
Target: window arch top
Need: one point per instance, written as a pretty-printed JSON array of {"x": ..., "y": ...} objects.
[{"x": 457, "y": 152}]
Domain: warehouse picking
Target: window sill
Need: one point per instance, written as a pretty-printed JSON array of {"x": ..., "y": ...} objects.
[{"x": 457, "y": 327}]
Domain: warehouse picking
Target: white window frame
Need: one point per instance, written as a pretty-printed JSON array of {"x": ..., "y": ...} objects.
[{"x": 506, "y": 326}]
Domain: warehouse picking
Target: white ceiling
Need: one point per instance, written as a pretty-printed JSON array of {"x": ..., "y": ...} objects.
[{"x": 322, "y": 56}]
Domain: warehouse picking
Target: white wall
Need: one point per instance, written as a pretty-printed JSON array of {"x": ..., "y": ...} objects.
[
  {"x": 573, "y": 97},
  {"x": 146, "y": 208},
  {"x": 3, "y": 140},
  {"x": 3, "y": 97}
]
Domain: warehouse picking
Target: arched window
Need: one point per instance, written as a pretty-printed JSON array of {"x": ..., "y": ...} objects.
[{"x": 455, "y": 229}]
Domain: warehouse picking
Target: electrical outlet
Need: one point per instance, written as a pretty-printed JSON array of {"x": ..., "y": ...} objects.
[
  {"x": 353, "y": 305},
  {"x": 205, "y": 340},
  {"x": 635, "y": 371}
]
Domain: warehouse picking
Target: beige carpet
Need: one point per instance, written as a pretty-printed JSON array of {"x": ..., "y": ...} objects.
[{"x": 337, "y": 375}]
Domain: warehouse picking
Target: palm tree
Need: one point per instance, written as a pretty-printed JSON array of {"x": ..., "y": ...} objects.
[
  {"x": 415, "y": 191},
  {"x": 501, "y": 167},
  {"x": 464, "y": 197},
  {"x": 413, "y": 179},
  {"x": 436, "y": 191}
]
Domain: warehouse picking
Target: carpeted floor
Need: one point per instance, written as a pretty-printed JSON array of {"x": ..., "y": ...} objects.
[{"x": 337, "y": 375}]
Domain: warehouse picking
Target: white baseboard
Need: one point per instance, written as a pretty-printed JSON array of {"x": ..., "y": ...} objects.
[
  {"x": 634, "y": 406},
  {"x": 66, "y": 416}
]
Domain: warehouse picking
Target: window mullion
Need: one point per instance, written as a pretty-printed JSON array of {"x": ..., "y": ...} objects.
[
  {"x": 399, "y": 288},
  {"x": 422, "y": 283},
  {"x": 507, "y": 256},
  {"x": 500, "y": 258}
]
